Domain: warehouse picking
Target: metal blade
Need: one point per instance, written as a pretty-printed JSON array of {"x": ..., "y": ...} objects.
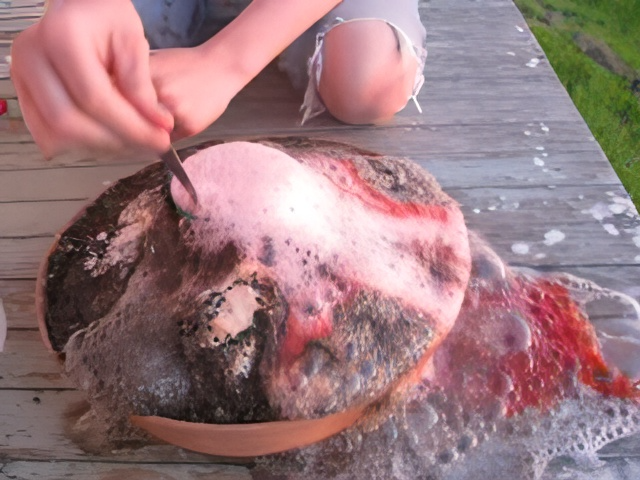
[{"x": 174, "y": 164}]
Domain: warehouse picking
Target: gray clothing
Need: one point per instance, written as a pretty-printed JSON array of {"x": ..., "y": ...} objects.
[{"x": 186, "y": 23}]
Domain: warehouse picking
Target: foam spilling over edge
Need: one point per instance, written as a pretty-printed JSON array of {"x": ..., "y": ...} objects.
[{"x": 618, "y": 330}]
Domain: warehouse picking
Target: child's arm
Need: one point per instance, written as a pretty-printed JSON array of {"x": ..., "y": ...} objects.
[
  {"x": 82, "y": 78},
  {"x": 197, "y": 84}
]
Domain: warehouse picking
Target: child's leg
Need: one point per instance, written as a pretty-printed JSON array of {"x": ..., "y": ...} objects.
[
  {"x": 366, "y": 77},
  {"x": 368, "y": 60}
]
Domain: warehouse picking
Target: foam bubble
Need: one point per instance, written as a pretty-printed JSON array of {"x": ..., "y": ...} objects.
[
  {"x": 520, "y": 248},
  {"x": 553, "y": 236},
  {"x": 611, "y": 229},
  {"x": 617, "y": 208},
  {"x": 599, "y": 211}
]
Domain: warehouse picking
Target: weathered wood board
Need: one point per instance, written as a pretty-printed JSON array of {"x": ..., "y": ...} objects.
[{"x": 500, "y": 134}]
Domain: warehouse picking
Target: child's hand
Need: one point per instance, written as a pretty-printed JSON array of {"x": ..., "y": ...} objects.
[
  {"x": 83, "y": 81},
  {"x": 194, "y": 87},
  {"x": 197, "y": 84}
]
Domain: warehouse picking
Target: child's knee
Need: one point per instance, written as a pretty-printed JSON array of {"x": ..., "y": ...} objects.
[{"x": 367, "y": 77}]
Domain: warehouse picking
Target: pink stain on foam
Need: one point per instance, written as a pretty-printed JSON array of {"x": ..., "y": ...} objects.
[{"x": 250, "y": 192}]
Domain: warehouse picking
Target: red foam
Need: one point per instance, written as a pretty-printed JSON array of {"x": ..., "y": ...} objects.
[
  {"x": 564, "y": 343},
  {"x": 347, "y": 179}
]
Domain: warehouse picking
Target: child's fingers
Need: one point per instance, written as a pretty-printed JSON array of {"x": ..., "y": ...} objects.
[
  {"x": 41, "y": 134},
  {"x": 53, "y": 143},
  {"x": 52, "y": 117},
  {"x": 91, "y": 88},
  {"x": 133, "y": 78}
]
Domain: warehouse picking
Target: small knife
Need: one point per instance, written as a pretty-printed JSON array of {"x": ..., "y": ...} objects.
[{"x": 174, "y": 164}]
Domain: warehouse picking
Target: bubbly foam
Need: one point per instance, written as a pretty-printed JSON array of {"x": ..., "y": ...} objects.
[
  {"x": 297, "y": 222},
  {"x": 518, "y": 384}
]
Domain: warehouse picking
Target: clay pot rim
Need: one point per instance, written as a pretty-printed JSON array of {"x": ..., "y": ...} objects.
[{"x": 247, "y": 439}]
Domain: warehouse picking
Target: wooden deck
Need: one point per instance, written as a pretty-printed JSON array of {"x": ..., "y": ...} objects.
[{"x": 498, "y": 131}]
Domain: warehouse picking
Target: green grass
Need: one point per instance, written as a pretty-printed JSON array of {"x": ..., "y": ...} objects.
[{"x": 604, "y": 99}]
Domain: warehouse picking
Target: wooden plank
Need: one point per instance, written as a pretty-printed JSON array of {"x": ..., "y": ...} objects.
[
  {"x": 488, "y": 155},
  {"x": 36, "y": 218},
  {"x": 593, "y": 226},
  {"x": 416, "y": 141},
  {"x": 20, "y": 258},
  {"x": 421, "y": 142},
  {"x": 18, "y": 298},
  {"x": 456, "y": 155},
  {"x": 34, "y": 424},
  {"x": 525, "y": 168},
  {"x": 489, "y": 101},
  {"x": 18, "y": 155},
  {"x": 30, "y": 470},
  {"x": 6, "y": 87},
  {"x": 43, "y": 425},
  {"x": 13, "y": 130},
  {"x": 42, "y": 437},
  {"x": 616, "y": 468},
  {"x": 623, "y": 279},
  {"x": 15, "y": 18},
  {"x": 26, "y": 363},
  {"x": 61, "y": 183},
  {"x": 599, "y": 223}
]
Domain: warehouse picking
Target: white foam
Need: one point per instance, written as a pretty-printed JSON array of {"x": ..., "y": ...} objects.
[
  {"x": 611, "y": 229},
  {"x": 252, "y": 193},
  {"x": 553, "y": 236},
  {"x": 520, "y": 248},
  {"x": 599, "y": 211},
  {"x": 617, "y": 208}
]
